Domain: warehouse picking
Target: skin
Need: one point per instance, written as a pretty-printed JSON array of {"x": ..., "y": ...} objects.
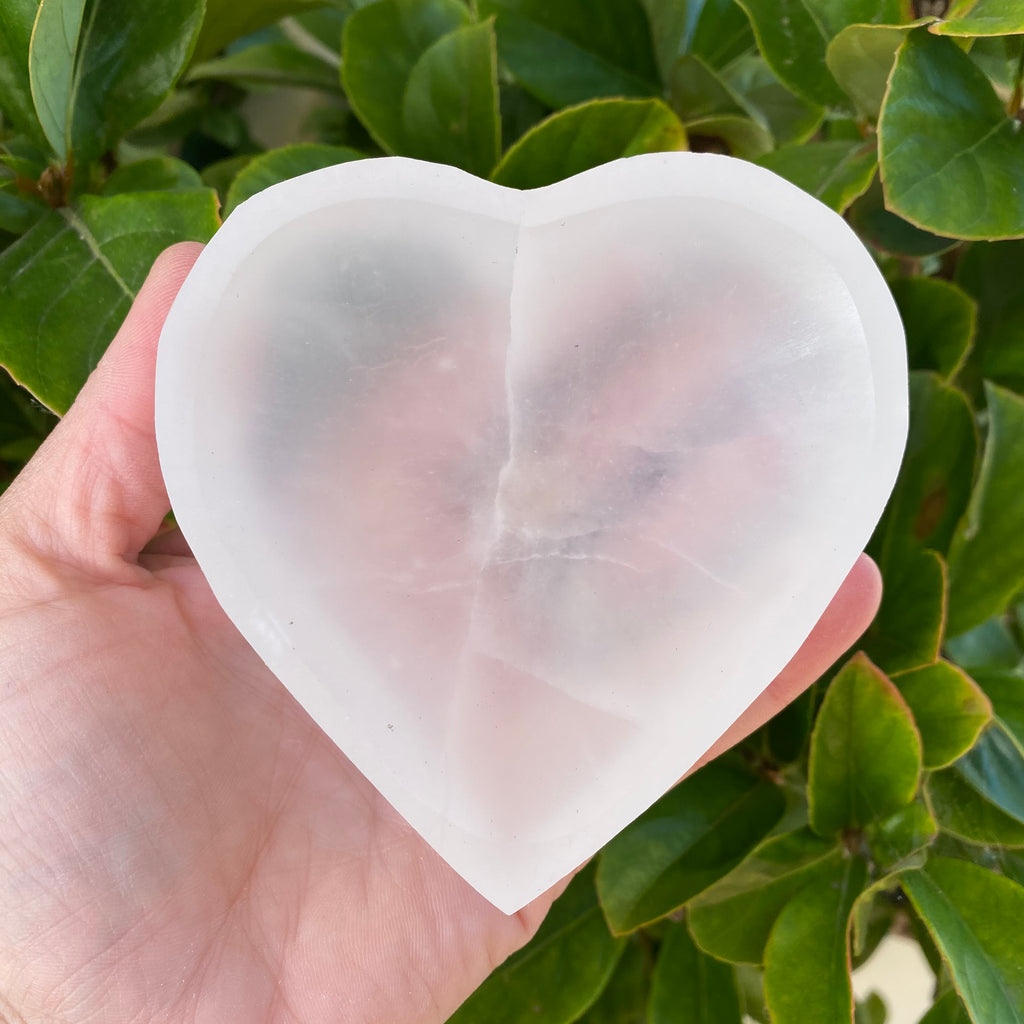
[{"x": 178, "y": 840}]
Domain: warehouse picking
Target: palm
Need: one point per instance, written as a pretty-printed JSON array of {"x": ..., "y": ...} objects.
[
  {"x": 226, "y": 859},
  {"x": 178, "y": 840}
]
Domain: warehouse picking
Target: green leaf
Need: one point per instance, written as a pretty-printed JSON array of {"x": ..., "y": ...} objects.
[
  {"x": 66, "y": 285},
  {"x": 575, "y": 50},
  {"x": 690, "y": 987},
  {"x": 789, "y": 117},
  {"x": 991, "y": 272},
  {"x": 15, "y": 86},
  {"x": 871, "y": 1010},
  {"x": 981, "y": 18},
  {"x": 382, "y": 46},
  {"x": 716, "y": 30},
  {"x": 907, "y": 631},
  {"x": 559, "y": 973},
  {"x": 128, "y": 58},
  {"x": 890, "y": 234},
  {"x": 733, "y": 919},
  {"x": 579, "y": 138},
  {"x": 742, "y": 137},
  {"x": 861, "y": 57},
  {"x": 807, "y": 959},
  {"x": 952, "y": 160},
  {"x": 793, "y": 42},
  {"x": 994, "y": 767},
  {"x": 51, "y": 69},
  {"x": 939, "y": 319},
  {"x": 949, "y": 710},
  {"x": 865, "y": 751},
  {"x": 269, "y": 64},
  {"x": 975, "y": 917},
  {"x": 695, "y": 90},
  {"x": 624, "y": 999},
  {"x": 690, "y": 838},
  {"x": 948, "y": 1010},
  {"x": 281, "y": 164},
  {"x": 934, "y": 485},
  {"x": 227, "y": 20},
  {"x": 154, "y": 174},
  {"x": 19, "y": 212},
  {"x": 834, "y": 172},
  {"x": 988, "y": 646},
  {"x": 962, "y": 811},
  {"x": 986, "y": 558},
  {"x": 450, "y": 110},
  {"x": 221, "y": 175},
  {"x": 1006, "y": 692},
  {"x": 899, "y": 837}
]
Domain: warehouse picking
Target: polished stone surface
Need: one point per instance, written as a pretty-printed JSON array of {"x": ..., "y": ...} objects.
[{"x": 526, "y": 496}]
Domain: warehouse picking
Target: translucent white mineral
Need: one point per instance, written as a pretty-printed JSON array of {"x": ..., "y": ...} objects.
[{"x": 525, "y": 496}]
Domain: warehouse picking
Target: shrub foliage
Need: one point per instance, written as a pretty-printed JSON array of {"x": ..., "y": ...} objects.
[{"x": 890, "y": 796}]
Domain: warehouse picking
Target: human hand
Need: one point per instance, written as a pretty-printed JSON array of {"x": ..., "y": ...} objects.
[{"x": 178, "y": 840}]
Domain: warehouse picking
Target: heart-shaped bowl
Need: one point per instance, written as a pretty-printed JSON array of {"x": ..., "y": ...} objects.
[{"x": 525, "y": 496}]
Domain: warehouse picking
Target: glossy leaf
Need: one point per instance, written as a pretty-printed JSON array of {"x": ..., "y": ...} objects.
[
  {"x": 891, "y": 234},
  {"x": 807, "y": 959},
  {"x": 793, "y": 42},
  {"x": 934, "y": 485},
  {"x": 695, "y": 90},
  {"x": 281, "y": 164},
  {"x": 61, "y": 311},
  {"x": 128, "y": 57},
  {"x": 575, "y": 50},
  {"x": 381, "y": 45},
  {"x": 1006, "y": 692},
  {"x": 15, "y": 86},
  {"x": 988, "y": 646},
  {"x": 948, "y": 1010},
  {"x": 949, "y": 709},
  {"x": 986, "y": 558},
  {"x": 559, "y": 973},
  {"x": 690, "y": 838},
  {"x": 990, "y": 272},
  {"x": 994, "y": 767},
  {"x": 834, "y": 172},
  {"x": 789, "y": 118},
  {"x": 715, "y": 30},
  {"x": 19, "y": 212},
  {"x": 740, "y": 136},
  {"x": 861, "y": 57},
  {"x": 450, "y": 108},
  {"x": 227, "y": 20},
  {"x": 975, "y": 917},
  {"x": 154, "y": 174},
  {"x": 940, "y": 319},
  {"x": 582, "y": 137},
  {"x": 51, "y": 67},
  {"x": 952, "y": 160},
  {"x": 733, "y": 919},
  {"x": 691, "y": 987},
  {"x": 865, "y": 751},
  {"x": 270, "y": 64},
  {"x": 896, "y": 839},
  {"x": 908, "y": 629},
  {"x": 981, "y": 18},
  {"x": 624, "y": 999},
  {"x": 962, "y": 811},
  {"x": 424, "y": 81}
]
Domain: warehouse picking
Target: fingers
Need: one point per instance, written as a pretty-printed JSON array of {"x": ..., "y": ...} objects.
[
  {"x": 94, "y": 493},
  {"x": 843, "y": 622}
]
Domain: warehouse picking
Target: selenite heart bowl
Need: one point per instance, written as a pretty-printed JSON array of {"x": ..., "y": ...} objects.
[{"x": 525, "y": 496}]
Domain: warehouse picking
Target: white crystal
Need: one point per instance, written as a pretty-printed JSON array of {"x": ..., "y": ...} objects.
[{"x": 525, "y": 496}]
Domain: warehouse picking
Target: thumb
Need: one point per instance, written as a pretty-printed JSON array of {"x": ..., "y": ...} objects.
[{"x": 93, "y": 494}]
